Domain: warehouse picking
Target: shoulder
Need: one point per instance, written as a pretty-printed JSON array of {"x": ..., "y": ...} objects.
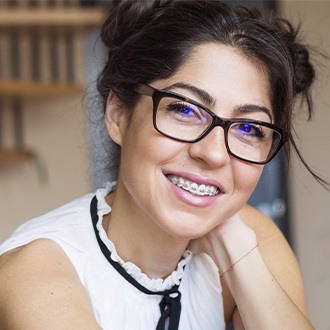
[
  {"x": 262, "y": 225},
  {"x": 40, "y": 288},
  {"x": 273, "y": 246}
]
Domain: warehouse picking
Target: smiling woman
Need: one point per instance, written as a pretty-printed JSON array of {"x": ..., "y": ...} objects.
[{"x": 197, "y": 96}]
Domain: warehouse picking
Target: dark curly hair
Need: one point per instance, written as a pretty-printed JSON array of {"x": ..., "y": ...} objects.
[{"x": 150, "y": 40}]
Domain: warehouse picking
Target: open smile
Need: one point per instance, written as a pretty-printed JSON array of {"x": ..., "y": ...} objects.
[{"x": 193, "y": 187}]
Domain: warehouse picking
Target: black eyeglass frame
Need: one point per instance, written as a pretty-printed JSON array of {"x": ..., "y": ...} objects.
[{"x": 158, "y": 94}]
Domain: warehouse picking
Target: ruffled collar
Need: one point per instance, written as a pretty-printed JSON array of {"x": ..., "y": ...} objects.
[{"x": 152, "y": 284}]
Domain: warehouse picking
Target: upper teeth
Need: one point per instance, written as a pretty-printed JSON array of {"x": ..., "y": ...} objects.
[{"x": 193, "y": 187}]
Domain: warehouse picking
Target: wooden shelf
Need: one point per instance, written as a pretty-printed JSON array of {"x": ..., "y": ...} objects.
[
  {"x": 71, "y": 17},
  {"x": 37, "y": 89},
  {"x": 12, "y": 155}
]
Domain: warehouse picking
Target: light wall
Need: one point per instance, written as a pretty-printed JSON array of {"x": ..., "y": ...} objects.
[
  {"x": 55, "y": 129},
  {"x": 310, "y": 203}
]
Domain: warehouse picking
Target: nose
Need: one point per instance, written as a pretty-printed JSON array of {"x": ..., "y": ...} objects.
[{"x": 211, "y": 149}]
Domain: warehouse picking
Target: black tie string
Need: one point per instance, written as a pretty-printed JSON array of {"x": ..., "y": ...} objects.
[{"x": 170, "y": 305}]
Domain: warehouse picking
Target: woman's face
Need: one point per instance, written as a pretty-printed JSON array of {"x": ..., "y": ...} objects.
[{"x": 150, "y": 160}]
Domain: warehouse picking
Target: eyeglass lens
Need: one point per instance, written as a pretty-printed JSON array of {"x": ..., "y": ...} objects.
[{"x": 187, "y": 122}]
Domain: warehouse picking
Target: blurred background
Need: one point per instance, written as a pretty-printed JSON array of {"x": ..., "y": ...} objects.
[{"x": 52, "y": 142}]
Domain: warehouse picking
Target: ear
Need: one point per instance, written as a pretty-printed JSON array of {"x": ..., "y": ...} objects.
[{"x": 115, "y": 118}]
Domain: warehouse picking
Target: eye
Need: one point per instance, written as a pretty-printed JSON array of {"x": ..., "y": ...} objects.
[
  {"x": 250, "y": 130},
  {"x": 185, "y": 109},
  {"x": 181, "y": 112}
]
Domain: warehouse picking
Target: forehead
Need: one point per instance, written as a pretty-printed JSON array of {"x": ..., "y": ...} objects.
[{"x": 229, "y": 77}]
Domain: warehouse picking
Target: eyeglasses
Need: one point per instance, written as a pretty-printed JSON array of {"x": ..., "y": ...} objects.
[{"x": 182, "y": 119}]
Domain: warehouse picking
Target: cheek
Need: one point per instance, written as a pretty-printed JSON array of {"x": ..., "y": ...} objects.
[
  {"x": 144, "y": 150},
  {"x": 246, "y": 177}
]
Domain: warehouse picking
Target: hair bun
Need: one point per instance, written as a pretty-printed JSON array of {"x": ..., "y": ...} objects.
[
  {"x": 127, "y": 17},
  {"x": 304, "y": 73},
  {"x": 304, "y": 70}
]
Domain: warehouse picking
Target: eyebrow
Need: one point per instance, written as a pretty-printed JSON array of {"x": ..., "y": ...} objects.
[
  {"x": 206, "y": 98},
  {"x": 252, "y": 108},
  {"x": 210, "y": 101}
]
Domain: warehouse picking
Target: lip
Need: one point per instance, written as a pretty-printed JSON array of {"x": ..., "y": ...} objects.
[{"x": 189, "y": 198}]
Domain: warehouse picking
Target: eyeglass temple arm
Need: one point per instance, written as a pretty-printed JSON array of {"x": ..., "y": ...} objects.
[{"x": 144, "y": 90}]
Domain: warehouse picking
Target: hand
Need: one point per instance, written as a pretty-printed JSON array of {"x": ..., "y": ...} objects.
[{"x": 226, "y": 243}]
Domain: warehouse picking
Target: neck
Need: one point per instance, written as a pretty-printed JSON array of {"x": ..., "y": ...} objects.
[{"x": 139, "y": 240}]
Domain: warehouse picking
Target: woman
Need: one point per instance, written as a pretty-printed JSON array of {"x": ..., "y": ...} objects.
[{"x": 198, "y": 96}]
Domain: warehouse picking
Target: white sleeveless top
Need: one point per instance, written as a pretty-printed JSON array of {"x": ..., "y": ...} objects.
[{"x": 117, "y": 304}]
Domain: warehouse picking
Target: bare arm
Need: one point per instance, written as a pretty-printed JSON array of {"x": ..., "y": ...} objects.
[
  {"x": 267, "y": 284},
  {"x": 40, "y": 289},
  {"x": 263, "y": 290}
]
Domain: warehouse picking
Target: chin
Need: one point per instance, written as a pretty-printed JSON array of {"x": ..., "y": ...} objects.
[{"x": 188, "y": 232}]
